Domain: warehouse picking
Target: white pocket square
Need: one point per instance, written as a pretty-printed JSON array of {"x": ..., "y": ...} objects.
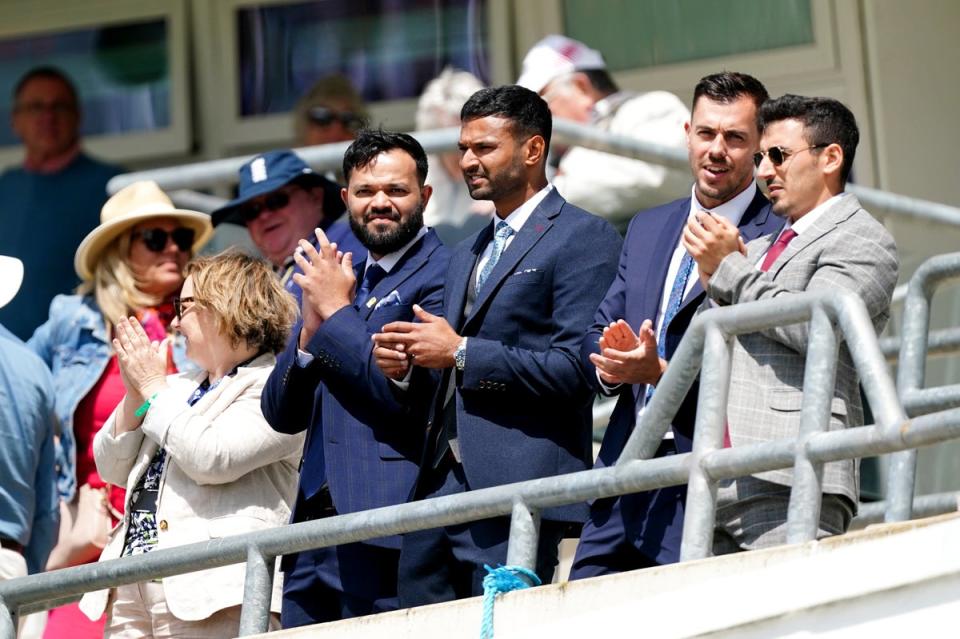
[{"x": 393, "y": 299}]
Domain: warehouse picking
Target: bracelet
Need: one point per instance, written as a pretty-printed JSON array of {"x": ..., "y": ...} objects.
[{"x": 145, "y": 406}]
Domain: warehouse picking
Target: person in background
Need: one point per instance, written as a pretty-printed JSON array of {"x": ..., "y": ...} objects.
[
  {"x": 281, "y": 201},
  {"x": 331, "y": 111},
  {"x": 29, "y": 514},
  {"x": 50, "y": 202},
  {"x": 198, "y": 459},
  {"x": 574, "y": 80},
  {"x": 131, "y": 264},
  {"x": 451, "y": 212}
]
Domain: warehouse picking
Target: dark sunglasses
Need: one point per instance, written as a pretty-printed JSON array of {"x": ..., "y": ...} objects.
[
  {"x": 778, "y": 155},
  {"x": 325, "y": 116},
  {"x": 272, "y": 202},
  {"x": 178, "y": 303},
  {"x": 156, "y": 239}
]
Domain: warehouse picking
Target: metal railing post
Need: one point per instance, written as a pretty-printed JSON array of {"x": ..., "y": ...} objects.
[
  {"x": 257, "y": 593},
  {"x": 8, "y": 625},
  {"x": 524, "y": 536},
  {"x": 819, "y": 381},
  {"x": 700, "y": 515}
]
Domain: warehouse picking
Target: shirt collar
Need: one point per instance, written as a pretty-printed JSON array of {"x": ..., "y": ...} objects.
[
  {"x": 732, "y": 209},
  {"x": 519, "y": 216},
  {"x": 388, "y": 261},
  {"x": 811, "y": 218}
]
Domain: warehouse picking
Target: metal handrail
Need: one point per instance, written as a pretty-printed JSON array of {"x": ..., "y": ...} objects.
[
  {"x": 708, "y": 340},
  {"x": 213, "y": 173}
]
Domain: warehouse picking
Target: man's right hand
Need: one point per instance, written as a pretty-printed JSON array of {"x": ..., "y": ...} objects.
[
  {"x": 390, "y": 357},
  {"x": 626, "y": 357}
]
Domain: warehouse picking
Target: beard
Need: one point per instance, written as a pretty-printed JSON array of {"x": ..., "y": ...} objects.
[{"x": 386, "y": 242}]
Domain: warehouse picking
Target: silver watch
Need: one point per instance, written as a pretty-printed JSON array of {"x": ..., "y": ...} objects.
[{"x": 460, "y": 355}]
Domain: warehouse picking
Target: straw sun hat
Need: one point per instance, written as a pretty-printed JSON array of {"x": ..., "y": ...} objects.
[{"x": 128, "y": 207}]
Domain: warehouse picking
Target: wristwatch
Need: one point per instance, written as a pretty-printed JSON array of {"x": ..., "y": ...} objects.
[{"x": 460, "y": 355}]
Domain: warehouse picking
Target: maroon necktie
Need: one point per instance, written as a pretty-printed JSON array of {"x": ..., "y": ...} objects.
[
  {"x": 772, "y": 254},
  {"x": 777, "y": 248}
]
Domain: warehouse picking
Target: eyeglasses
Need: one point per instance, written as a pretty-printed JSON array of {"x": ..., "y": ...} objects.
[
  {"x": 36, "y": 108},
  {"x": 778, "y": 155},
  {"x": 178, "y": 303},
  {"x": 325, "y": 116},
  {"x": 271, "y": 202},
  {"x": 156, "y": 239}
]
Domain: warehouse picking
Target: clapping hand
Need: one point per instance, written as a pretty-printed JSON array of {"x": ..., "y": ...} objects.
[
  {"x": 626, "y": 357},
  {"x": 328, "y": 282},
  {"x": 143, "y": 364},
  {"x": 708, "y": 240}
]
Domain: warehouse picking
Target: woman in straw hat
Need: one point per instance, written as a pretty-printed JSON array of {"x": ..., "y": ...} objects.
[
  {"x": 198, "y": 458},
  {"x": 131, "y": 264}
]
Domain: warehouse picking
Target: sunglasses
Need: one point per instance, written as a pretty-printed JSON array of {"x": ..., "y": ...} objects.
[
  {"x": 156, "y": 239},
  {"x": 778, "y": 155},
  {"x": 178, "y": 303},
  {"x": 271, "y": 202},
  {"x": 325, "y": 116}
]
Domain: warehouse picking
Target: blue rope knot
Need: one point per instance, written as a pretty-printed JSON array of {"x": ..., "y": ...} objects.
[{"x": 502, "y": 579}]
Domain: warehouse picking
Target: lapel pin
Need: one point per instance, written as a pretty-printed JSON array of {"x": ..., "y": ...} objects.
[{"x": 371, "y": 302}]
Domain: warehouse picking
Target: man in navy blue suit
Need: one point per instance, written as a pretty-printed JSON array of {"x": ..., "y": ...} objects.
[
  {"x": 514, "y": 402},
  {"x": 649, "y": 307},
  {"x": 365, "y": 432}
]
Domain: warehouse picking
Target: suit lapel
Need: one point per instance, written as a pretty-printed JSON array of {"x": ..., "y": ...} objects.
[
  {"x": 837, "y": 213},
  {"x": 410, "y": 263},
  {"x": 536, "y": 226},
  {"x": 458, "y": 277}
]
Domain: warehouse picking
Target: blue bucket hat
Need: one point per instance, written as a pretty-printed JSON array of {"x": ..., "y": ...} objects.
[{"x": 270, "y": 171}]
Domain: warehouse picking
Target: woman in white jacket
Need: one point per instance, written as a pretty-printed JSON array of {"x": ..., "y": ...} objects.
[{"x": 194, "y": 451}]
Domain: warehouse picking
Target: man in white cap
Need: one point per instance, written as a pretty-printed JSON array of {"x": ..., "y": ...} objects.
[
  {"x": 574, "y": 80},
  {"x": 29, "y": 512}
]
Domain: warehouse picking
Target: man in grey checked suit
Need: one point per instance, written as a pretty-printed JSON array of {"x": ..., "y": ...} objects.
[{"x": 828, "y": 242}]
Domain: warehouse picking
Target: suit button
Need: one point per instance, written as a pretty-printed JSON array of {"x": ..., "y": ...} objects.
[{"x": 162, "y": 525}]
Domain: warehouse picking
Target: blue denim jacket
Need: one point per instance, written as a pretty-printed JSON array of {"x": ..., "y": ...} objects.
[{"x": 73, "y": 342}]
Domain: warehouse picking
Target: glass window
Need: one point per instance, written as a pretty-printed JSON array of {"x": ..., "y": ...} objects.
[
  {"x": 389, "y": 49},
  {"x": 656, "y": 32},
  {"x": 120, "y": 72}
]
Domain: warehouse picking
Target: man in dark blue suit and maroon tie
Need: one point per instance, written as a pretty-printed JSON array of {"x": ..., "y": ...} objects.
[
  {"x": 649, "y": 307},
  {"x": 514, "y": 402},
  {"x": 365, "y": 432}
]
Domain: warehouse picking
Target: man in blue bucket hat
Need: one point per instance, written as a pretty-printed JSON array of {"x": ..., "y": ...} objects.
[{"x": 280, "y": 201}]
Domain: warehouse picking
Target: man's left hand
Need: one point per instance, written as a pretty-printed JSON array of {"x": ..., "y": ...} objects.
[{"x": 430, "y": 342}]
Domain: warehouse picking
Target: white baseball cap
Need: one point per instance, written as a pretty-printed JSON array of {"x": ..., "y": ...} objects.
[
  {"x": 556, "y": 56},
  {"x": 11, "y": 276}
]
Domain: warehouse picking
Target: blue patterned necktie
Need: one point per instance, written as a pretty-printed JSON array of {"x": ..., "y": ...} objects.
[
  {"x": 673, "y": 306},
  {"x": 500, "y": 237},
  {"x": 371, "y": 277}
]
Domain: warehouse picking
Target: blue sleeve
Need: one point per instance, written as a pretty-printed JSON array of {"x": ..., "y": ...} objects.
[
  {"x": 290, "y": 394},
  {"x": 46, "y": 514}
]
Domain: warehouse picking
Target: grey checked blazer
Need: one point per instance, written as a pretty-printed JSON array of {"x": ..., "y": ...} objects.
[{"x": 845, "y": 248}]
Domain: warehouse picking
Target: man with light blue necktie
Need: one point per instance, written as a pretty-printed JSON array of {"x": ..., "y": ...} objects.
[
  {"x": 365, "y": 432},
  {"x": 649, "y": 307},
  {"x": 514, "y": 402}
]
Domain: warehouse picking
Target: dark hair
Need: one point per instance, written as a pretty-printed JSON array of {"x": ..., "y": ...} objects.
[
  {"x": 370, "y": 143},
  {"x": 825, "y": 121},
  {"x": 527, "y": 110},
  {"x": 49, "y": 73},
  {"x": 601, "y": 81},
  {"x": 727, "y": 86}
]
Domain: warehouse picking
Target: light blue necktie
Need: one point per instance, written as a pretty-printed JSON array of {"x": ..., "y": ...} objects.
[
  {"x": 673, "y": 306},
  {"x": 500, "y": 237}
]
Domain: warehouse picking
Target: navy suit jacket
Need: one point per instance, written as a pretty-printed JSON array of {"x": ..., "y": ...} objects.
[
  {"x": 635, "y": 296},
  {"x": 523, "y": 401},
  {"x": 365, "y": 435}
]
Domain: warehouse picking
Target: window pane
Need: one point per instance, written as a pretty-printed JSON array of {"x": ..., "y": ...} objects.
[
  {"x": 635, "y": 34},
  {"x": 388, "y": 48},
  {"x": 120, "y": 72}
]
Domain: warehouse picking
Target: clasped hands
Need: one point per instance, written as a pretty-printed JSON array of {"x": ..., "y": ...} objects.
[
  {"x": 626, "y": 357},
  {"x": 143, "y": 364},
  {"x": 328, "y": 282},
  {"x": 430, "y": 342}
]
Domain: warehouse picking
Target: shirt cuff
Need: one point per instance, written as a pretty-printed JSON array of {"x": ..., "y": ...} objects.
[
  {"x": 403, "y": 384},
  {"x": 605, "y": 388},
  {"x": 304, "y": 358}
]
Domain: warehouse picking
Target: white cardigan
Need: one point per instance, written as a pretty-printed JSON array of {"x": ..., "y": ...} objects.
[{"x": 227, "y": 473}]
